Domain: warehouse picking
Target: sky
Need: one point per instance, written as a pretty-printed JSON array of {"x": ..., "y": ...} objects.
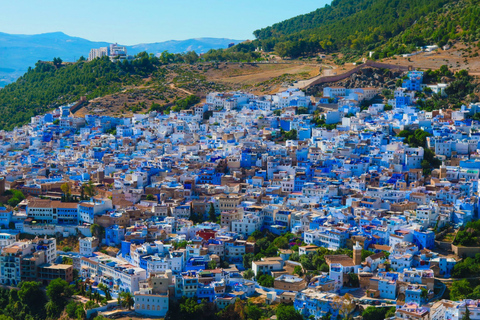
[{"x": 131, "y": 22}]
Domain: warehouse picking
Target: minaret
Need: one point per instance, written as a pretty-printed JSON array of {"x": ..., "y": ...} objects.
[
  {"x": 357, "y": 254},
  {"x": 443, "y": 171}
]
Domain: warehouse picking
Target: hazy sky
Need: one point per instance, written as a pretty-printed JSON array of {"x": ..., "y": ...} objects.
[{"x": 141, "y": 21}]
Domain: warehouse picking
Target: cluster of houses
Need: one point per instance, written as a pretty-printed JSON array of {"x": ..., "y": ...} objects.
[{"x": 174, "y": 193}]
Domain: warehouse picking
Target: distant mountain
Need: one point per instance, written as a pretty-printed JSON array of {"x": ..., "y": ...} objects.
[
  {"x": 199, "y": 45},
  {"x": 18, "y": 52}
]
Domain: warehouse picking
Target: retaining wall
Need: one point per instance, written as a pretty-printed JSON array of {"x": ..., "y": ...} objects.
[{"x": 347, "y": 74}]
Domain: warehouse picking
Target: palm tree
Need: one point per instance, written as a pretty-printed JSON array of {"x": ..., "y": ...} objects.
[
  {"x": 126, "y": 300},
  {"x": 106, "y": 290}
]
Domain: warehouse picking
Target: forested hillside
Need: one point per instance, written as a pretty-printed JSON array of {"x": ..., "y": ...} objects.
[
  {"x": 48, "y": 85},
  {"x": 364, "y": 25}
]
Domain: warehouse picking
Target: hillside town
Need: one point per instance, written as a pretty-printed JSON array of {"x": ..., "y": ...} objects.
[{"x": 332, "y": 203}]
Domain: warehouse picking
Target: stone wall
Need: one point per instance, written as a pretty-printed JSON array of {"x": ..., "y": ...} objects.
[
  {"x": 467, "y": 251},
  {"x": 347, "y": 74},
  {"x": 443, "y": 245}
]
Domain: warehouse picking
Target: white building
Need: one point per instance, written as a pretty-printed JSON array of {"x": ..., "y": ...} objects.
[
  {"x": 151, "y": 305},
  {"x": 98, "y": 53},
  {"x": 88, "y": 246},
  {"x": 247, "y": 225},
  {"x": 330, "y": 92},
  {"x": 115, "y": 273},
  {"x": 267, "y": 265},
  {"x": 89, "y": 209},
  {"x": 7, "y": 239}
]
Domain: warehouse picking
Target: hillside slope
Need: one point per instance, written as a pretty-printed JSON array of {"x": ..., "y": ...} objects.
[
  {"x": 365, "y": 25},
  {"x": 47, "y": 86}
]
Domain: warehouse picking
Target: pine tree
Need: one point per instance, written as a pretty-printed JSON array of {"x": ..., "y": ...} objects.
[
  {"x": 211, "y": 213},
  {"x": 466, "y": 316}
]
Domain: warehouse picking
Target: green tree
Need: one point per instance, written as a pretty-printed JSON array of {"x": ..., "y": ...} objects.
[
  {"x": 71, "y": 308},
  {"x": 32, "y": 297},
  {"x": 373, "y": 313},
  {"x": 390, "y": 313},
  {"x": 257, "y": 234},
  {"x": 266, "y": 280},
  {"x": 191, "y": 57},
  {"x": 424, "y": 294},
  {"x": 298, "y": 270},
  {"x": 248, "y": 274},
  {"x": 466, "y": 315},
  {"x": 291, "y": 135},
  {"x": 97, "y": 230},
  {"x": 287, "y": 312},
  {"x": 89, "y": 189},
  {"x": 281, "y": 242},
  {"x": 247, "y": 260},
  {"x": 253, "y": 312},
  {"x": 126, "y": 300},
  {"x": 324, "y": 268},
  {"x": 353, "y": 280},
  {"x": 212, "y": 264},
  {"x": 75, "y": 310},
  {"x": 57, "y": 62},
  {"x": 460, "y": 290},
  {"x": 53, "y": 310},
  {"x": 190, "y": 309},
  {"x": 16, "y": 196},
  {"x": 106, "y": 290},
  {"x": 195, "y": 218},
  {"x": 150, "y": 197},
  {"x": 211, "y": 213},
  {"x": 59, "y": 292},
  {"x": 426, "y": 167},
  {"x": 66, "y": 190},
  {"x": 91, "y": 305}
]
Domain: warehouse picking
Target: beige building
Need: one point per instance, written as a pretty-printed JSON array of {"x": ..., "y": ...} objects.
[
  {"x": 267, "y": 265},
  {"x": 227, "y": 203},
  {"x": 289, "y": 283}
]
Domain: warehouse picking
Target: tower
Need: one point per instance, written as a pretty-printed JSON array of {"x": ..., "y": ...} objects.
[
  {"x": 2, "y": 185},
  {"x": 443, "y": 171},
  {"x": 357, "y": 254}
]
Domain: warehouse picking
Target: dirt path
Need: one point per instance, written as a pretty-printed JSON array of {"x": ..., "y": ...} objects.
[{"x": 181, "y": 89}]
